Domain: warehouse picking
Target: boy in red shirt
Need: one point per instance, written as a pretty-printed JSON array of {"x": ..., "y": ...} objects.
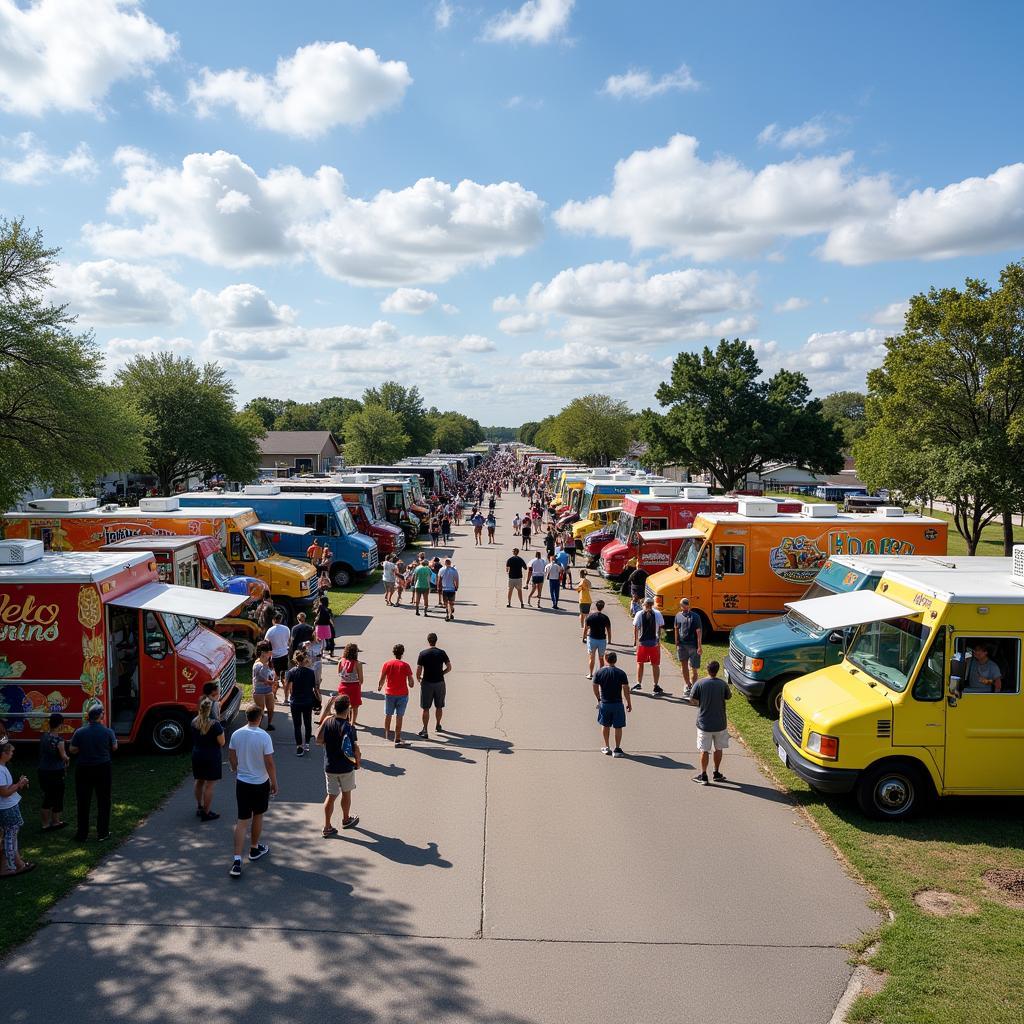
[{"x": 397, "y": 674}]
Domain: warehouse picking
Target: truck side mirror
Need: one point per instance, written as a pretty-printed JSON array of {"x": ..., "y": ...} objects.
[{"x": 836, "y": 637}]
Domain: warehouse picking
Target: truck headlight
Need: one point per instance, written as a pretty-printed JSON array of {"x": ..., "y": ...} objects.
[
  {"x": 753, "y": 664},
  {"x": 826, "y": 747},
  {"x": 303, "y": 585},
  {"x": 366, "y": 556},
  {"x": 659, "y": 601}
]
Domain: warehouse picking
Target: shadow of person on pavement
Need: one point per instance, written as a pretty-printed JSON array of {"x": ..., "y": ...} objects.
[
  {"x": 379, "y": 768},
  {"x": 441, "y": 753},
  {"x": 658, "y": 761},
  {"x": 397, "y": 849},
  {"x": 473, "y": 742}
]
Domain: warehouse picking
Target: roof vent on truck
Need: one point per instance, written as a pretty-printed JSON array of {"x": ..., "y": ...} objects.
[
  {"x": 264, "y": 489},
  {"x": 1017, "y": 568},
  {"x": 691, "y": 493},
  {"x": 889, "y": 511},
  {"x": 759, "y": 507},
  {"x": 20, "y": 552},
  {"x": 665, "y": 490},
  {"x": 158, "y": 505},
  {"x": 63, "y": 504},
  {"x": 821, "y": 510}
]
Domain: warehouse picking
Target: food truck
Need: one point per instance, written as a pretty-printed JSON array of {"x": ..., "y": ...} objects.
[
  {"x": 927, "y": 700},
  {"x": 79, "y": 524},
  {"x": 742, "y": 566},
  {"x": 399, "y": 495},
  {"x": 301, "y": 517},
  {"x": 98, "y": 627},
  {"x": 765, "y": 655},
  {"x": 180, "y": 560},
  {"x": 600, "y": 491},
  {"x": 651, "y": 527}
]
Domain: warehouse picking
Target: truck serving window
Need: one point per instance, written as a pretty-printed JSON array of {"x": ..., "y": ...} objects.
[
  {"x": 321, "y": 523},
  {"x": 888, "y": 651},
  {"x": 986, "y": 665},
  {"x": 729, "y": 559}
]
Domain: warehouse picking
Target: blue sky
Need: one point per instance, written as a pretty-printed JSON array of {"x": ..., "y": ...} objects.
[{"x": 509, "y": 205}]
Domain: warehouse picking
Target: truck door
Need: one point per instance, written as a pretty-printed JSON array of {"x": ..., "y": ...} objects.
[
  {"x": 240, "y": 554},
  {"x": 985, "y": 726},
  {"x": 123, "y": 661},
  {"x": 730, "y": 585}
]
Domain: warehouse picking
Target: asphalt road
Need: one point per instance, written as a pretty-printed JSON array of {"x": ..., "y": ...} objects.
[{"x": 504, "y": 872}]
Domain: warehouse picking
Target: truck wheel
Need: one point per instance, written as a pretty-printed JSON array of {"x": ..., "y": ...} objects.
[
  {"x": 283, "y": 609},
  {"x": 168, "y": 732},
  {"x": 341, "y": 575},
  {"x": 893, "y": 790},
  {"x": 772, "y": 698},
  {"x": 245, "y": 650}
]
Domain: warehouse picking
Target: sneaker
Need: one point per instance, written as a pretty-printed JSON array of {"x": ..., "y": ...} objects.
[
  {"x": 400, "y": 743},
  {"x": 719, "y": 777},
  {"x": 212, "y": 816},
  {"x": 271, "y": 728},
  {"x": 236, "y": 868},
  {"x": 636, "y": 688},
  {"x": 259, "y": 850},
  {"x": 305, "y": 747},
  {"x": 686, "y": 692},
  {"x": 606, "y": 750},
  {"x": 417, "y": 611},
  {"x": 658, "y": 690},
  {"x": 299, "y": 752},
  {"x": 350, "y": 822},
  {"x": 590, "y": 675},
  {"x": 702, "y": 778},
  {"x": 422, "y": 734},
  {"x": 618, "y": 752}
]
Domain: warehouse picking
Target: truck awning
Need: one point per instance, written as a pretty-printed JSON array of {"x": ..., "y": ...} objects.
[
  {"x": 166, "y": 597},
  {"x": 299, "y": 531},
  {"x": 606, "y": 508},
  {"x": 837, "y": 611},
  {"x": 646, "y": 535}
]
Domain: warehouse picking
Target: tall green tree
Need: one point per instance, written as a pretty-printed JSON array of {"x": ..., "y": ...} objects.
[
  {"x": 593, "y": 429},
  {"x": 723, "y": 418},
  {"x": 193, "y": 429},
  {"x": 375, "y": 435},
  {"x": 453, "y": 431},
  {"x": 267, "y": 409},
  {"x": 527, "y": 431},
  {"x": 407, "y": 404},
  {"x": 951, "y": 390},
  {"x": 60, "y": 425},
  {"x": 847, "y": 410}
]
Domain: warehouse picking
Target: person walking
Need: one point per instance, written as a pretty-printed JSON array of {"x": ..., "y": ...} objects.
[
  {"x": 491, "y": 523},
  {"x": 537, "y": 567},
  {"x": 397, "y": 674},
  {"x": 478, "y": 526},
  {"x": 325, "y": 625},
  {"x": 636, "y": 585},
  {"x": 647, "y": 626},
  {"x": 264, "y": 681},
  {"x": 562, "y": 558},
  {"x": 611, "y": 685},
  {"x": 432, "y": 665},
  {"x": 52, "y": 770},
  {"x": 549, "y": 542},
  {"x": 305, "y": 696},
  {"x": 527, "y": 531},
  {"x": 583, "y": 597},
  {"x": 569, "y": 546},
  {"x": 421, "y": 587},
  {"x": 448, "y": 587},
  {"x": 688, "y": 636},
  {"x": 388, "y": 573},
  {"x": 435, "y": 531},
  {"x": 93, "y": 745},
  {"x": 207, "y": 767},
  {"x": 553, "y": 574},
  {"x": 338, "y": 736},
  {"x": 251, "y": 753},
  {"x": 515, "y": 567},
  {"x": 446, "y": 529},
  {"x": 314, "y": 552},
  {"x": 710, "y": 694},
  {"x": 597, "y": 634},
  {"x": 350, "y": 679},
  {"x": 11, "y": 821},
  {"x": 280, "y": 637},
  {"x": 517, "y": 523}
]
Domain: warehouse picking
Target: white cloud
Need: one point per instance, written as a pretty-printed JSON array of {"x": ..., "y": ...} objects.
[
  {"x": 792, "y": 304},
  {"x": 65, "y": 54},
  {"x": 322, "y": 85},
  {"x": 618, "y": 371},
  {"x": 240, "y": 306},
  {"x": 304, "y": 344},
  {"x": 812, "y": 133},
  {"x": 639, "y": 84},
  {"x": 506, "y": 303},
  {"x": 443, "y": 14},
  {"x": 412, "y": 301},
  {"x": 618, "y": 302},
  {"x": 832, "y": 360},
  {"x": 31, "y": 163},
  {"x": 892, "y": 315},
  {"x": 216, "y": 208},
  {"x": 107, "y": 292},
  {"x": 537, "y": 21},
  {"x": 669, "y": 198},
  {"x": 121, "y": 350},
  {"x": 160, "y": 99},
  {"x": 970, "y": 216}
]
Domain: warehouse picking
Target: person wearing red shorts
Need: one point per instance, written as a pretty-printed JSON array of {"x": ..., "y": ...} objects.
[
  {"x": 647, "y": 626},
  {"x": 350, "y": 678}
]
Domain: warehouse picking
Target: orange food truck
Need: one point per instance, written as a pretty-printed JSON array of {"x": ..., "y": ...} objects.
[
  {"x": 98, "y": 627},
  {"x": 742, "y": 566},
  {"x": 78, "y": 524}
]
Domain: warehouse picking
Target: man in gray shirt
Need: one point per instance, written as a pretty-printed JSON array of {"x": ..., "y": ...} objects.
[
  {"x": 983, "y": 674},
  {"x": 709, "y": 695}
]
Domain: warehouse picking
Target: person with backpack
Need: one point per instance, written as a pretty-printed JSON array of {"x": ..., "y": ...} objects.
[
  {"x": 688, "y": 636},
  {"x": 337, "y": 735},
  {"x": 647, "y": 626}
]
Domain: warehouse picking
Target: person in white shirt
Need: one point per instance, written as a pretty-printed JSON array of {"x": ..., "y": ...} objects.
[
  {"x": 251, "y": 752},
  {"x": 553, "y": 574},
  {"x": 447, "y": 586},
  {"x": 537, "y": 567},
  {"x": 388, "y": 570},
  {"x": 279, "y": 636}
]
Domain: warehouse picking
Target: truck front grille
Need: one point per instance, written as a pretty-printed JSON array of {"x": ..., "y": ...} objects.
[
  {"x": 735, "y": 658},
  {"x": 793, "y": 724},
  {"x": 373, "y": 559},
  {"x": 648, "y": 593},
  {"x": 227, "y": 678}
]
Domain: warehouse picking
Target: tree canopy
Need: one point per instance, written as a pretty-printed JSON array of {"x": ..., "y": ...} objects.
[
  {"x": 375, "y": 435},
  {"x": 723, "y": 418},
  {"x": 61, "y": 426},
  {"x": 593, "y": 429},
  {"x": 407, "y": 404},
  {"x": 847, "y": 410}
]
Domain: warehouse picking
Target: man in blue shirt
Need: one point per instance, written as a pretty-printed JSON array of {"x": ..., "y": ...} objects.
[
  {"x": 611, "y": 685},
  {"x": 94, "y": 745}
]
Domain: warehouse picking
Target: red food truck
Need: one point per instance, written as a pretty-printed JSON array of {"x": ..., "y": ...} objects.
[
  {"x": 98, "y": 627},
  {"x": 663, "y": 517}
]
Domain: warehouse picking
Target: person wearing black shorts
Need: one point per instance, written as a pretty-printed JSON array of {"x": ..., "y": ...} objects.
[
  {"x": 251, "y": 753},
  {"x": 432, "y": 666}
]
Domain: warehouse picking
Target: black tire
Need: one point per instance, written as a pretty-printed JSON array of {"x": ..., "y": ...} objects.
[
  {"x": 284, "y": 609},
  {"x": 245, "y": 649},
  {"x": 772, "y": 697},
  {"x": 893, "y": 790},
  {"x": 168, "y": 732},
  {"x": 341, "y": 575}
]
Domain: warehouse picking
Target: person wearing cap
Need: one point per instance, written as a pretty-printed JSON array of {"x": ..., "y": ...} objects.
[
  {"x": 647, "y": 626},
  {"x": 53, "y": 762},
  {"x": 350, "y": 678},
  {"x": 689, "y": 647},
  {"x": 93, "y": 746}
]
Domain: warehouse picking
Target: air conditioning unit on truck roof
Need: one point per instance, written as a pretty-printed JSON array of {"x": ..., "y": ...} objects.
[
  {"x": 756, "y": 507},
  {"x": 889, "y": 511},
  {"x": 264, "y": 489},
  {"x": 822, "y": 510},
  {"x": 158, "y": 505},
  {"x": 20, "y": 552},
  {"x": 63, "y": 504},
  {"x": 693, "y": 493}
]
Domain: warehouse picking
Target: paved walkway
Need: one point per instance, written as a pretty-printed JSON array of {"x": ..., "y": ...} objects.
[{"x": 507, "y": 873}]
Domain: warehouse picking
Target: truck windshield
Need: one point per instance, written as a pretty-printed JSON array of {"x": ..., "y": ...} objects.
[
  {"x": 381, "y": 506},
  {"x": 625, "y": 529},
  {"x": 689, "y": 552},
  {"x": 888, "y": 651},
  {"x": 260, "y": 545},
  {"x": 179, "y": 626},
  {"x": 345, "y": 521},
  {"x": 585, "y": 503},
  {"x": 369, "y": 510},
  {"x": 795, "y": 619},
  {"x": 220, "y": 570}
]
